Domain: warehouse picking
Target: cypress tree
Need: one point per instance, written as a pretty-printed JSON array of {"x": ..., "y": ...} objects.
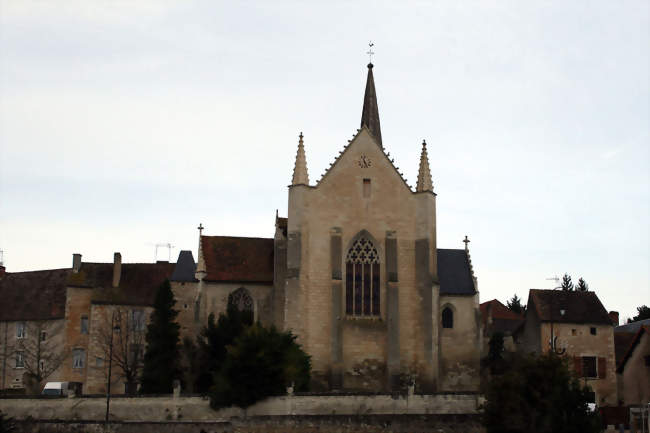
[
  {"x": 567, "y": 284},
  {"x": 161, "y": 360},
  {"x": 582, "y": 286}
]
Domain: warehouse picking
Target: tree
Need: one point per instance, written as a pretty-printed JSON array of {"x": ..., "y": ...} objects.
[
  {"x": 125, "y": 330},
  {"x": 7, "y": 424},
  {"x": 262, "y": 362},
  {"x": 40, "y": 351},
  {"x": 515, "y": 305},
  {"x": 540, "y": 395},
  {"x": 161, "y": 359},
  {"x": 643, "y": 312},
  {"x": 582, "y": 286},
  {"x": 566, "y": 282},
  {"x": 214, "y": 339}
]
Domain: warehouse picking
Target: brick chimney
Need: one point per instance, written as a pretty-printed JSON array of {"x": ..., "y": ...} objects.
[
  {"x": 117, "y": 269},
  {"x": 613, "y": 316},
  {"x": 76, "y": 263}
]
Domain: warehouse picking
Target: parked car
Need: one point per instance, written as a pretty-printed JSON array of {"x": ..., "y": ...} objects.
[{"x": 62, "y": 389}]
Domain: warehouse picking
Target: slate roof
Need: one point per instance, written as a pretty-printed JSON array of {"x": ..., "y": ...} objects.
[
  {"x": 238, "y": 259},
  {"x": 635, "y": 341},
  {"x": 138, "y": 282},
  {"x": 632, "y": 327},
  {"x": 185, "y": 267},
  {"x": 622, "y": 342},
  {"x": 454, "y": 273},
  {"x": 503, "y": 320},
  {"x": 34, "y": 295},
  {"x": 579, "y": 307}
]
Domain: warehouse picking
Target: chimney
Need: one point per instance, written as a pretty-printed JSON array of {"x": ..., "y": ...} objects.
[
  {"x": 117, "y": 269},
  {"x": 76, "y": 263},
  {"x": 613, "y": 316}
]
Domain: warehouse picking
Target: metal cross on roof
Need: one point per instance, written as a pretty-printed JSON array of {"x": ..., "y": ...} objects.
[
  {"x": 466, "y": 241},
  {"x": 370, "y": 51},
  {"x": 200, "y": 227}
]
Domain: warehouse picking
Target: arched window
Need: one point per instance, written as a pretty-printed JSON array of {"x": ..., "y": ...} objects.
[
  {"x": 447, "y": 318},
  {"x": 362, "y": 279},
  {"x": 241, "y": 300}
]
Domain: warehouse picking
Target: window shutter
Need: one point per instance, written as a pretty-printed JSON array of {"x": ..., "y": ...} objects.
[
  {"x": 602, "y": 368},
  {"x": 577, "y": 365}
]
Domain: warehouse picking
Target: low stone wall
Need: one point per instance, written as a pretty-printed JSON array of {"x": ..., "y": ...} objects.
[
  {"x": 278, "y": 424},
  {"x": 160, "y": 409}
]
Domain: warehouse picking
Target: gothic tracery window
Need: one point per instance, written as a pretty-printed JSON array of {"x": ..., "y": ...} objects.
[
  {"x": 362, "y": 272},
  {"x": 241, "y": 300}
]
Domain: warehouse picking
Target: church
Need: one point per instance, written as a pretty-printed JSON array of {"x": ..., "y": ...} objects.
[{"x": 354, "y": 271}]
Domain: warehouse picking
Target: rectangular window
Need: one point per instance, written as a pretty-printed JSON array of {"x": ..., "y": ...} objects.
[
  {"x": 84, "y": 324},
  {"x": 573, "y": 332},
  {"x": 592, "y": 330},
  {"x": 136, "y": 354},
  {"x": 99, "y": 362},
  {"x": 589, "y": 367},
  {"x": 78, "y": 357},
  {"x": 137, "y": 320},
  {"x": 41, "y": 365},
  {"x": 20, "y": 359},
  {"x": 366, "y": 188},
  {"x": 21, "y": 330},
  {"x": 43, "y": 335}
]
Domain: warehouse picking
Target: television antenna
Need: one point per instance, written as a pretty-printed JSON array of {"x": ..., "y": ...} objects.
[
  {"x": 557, "y": 282},
  {"x": 2, "y": 258},
  {"x": 162, "y": 245}
]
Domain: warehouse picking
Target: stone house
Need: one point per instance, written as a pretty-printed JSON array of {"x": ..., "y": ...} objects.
[
  {"x": 574, "y": 324},
  {"x": 32, "y": 314},
  {"x": 356, "y": 273},
  {"x": 634, "y": 367},
  {"x": 499, "y": 318}
]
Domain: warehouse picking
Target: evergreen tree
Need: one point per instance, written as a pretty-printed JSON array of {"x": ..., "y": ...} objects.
[
  {"x": 538, "y": 394},
  {"x": 566, "y": 282},
  {"x": 643, "y": 313},
  {"x": 262, "y": 362},
  {"x": 515, "y": 305},
  {"x": 214, "y": 339},
  {"x": 582, "y": 286},
  {"x": 162, "y": 356}
]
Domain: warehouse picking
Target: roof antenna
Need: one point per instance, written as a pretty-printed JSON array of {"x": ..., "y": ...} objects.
[
  {"x": 2, "y": 258},
  {"x": 169, "y": 250},
  {"x": 557, "y": 281},
  {"x": 370, "y": 51}
]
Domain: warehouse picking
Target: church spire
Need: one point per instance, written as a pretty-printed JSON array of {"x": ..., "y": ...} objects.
[
  {"x": 424, "y": 174},
  {"x": 300, "y": 175},
  {"x": 370, "y": 113}
]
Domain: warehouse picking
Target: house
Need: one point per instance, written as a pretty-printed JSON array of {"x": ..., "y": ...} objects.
[
  {"x": 574, "y": 324},
  {"x": 497, "y": 318},
  {"x": 634, "y": 367}
]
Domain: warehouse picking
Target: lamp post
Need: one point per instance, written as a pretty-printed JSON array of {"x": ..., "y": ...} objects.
[{"x": 114, "y": 327}]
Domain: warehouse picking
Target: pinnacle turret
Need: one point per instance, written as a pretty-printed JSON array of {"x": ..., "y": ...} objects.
[
  {"x": 424, "y": 174},
  {"x": 370, "y": 113},
  {"x": 300, "y": 175}
]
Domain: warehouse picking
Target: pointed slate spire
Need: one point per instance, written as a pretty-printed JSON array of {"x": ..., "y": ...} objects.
[
  {"x": 424, "y": 174},
  {"x": 300, "y": 175},
  {"x": 370, "y": 113}
]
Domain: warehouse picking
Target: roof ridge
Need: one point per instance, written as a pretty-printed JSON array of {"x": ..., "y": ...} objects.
[
  {"x": 37, "y": 270},
  {"x": 235, "y": 237}
]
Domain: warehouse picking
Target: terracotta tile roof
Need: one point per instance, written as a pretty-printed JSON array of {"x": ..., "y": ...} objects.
[
  {"x": 34, "y": 295},
  {"x": 238, "y": 259},
  {"x": 503, "y": 320},
  {"x": 633, "y": 344},
  {"x": 138, "y": 282},
  {"x": 579, "y": 307}
]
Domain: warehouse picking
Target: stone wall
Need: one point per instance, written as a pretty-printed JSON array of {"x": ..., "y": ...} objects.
[{"x": 160, "y": 409}]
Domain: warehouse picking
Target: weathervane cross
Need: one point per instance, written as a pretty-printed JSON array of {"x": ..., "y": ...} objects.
[{"x": 370, "y": 51}]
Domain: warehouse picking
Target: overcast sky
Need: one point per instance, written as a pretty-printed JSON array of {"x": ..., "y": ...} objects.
[{"x": 127, "y": 123}]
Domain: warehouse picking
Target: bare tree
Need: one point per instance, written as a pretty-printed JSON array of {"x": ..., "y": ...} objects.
[
  {"x": 38, "y": 348},
  {"x": 125, "y": 330}
]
